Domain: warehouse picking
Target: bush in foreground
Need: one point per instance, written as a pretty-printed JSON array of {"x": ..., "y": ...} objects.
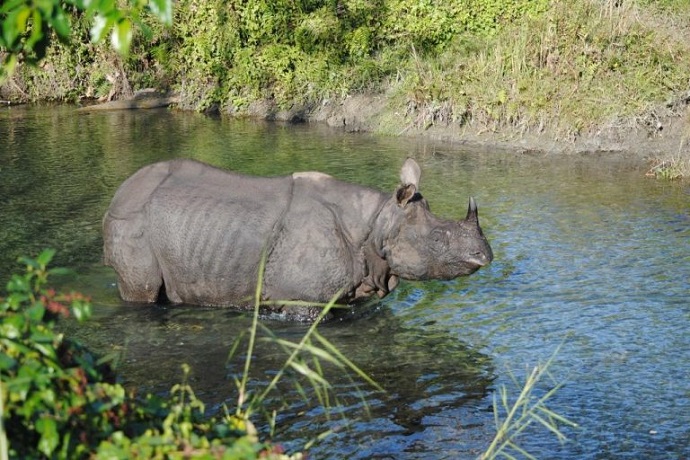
[{"x": 59, "y": 401}]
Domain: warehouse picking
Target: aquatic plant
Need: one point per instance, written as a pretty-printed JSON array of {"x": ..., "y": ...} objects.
[
  {"x": 306, "y": 358},
  {"x": 672, "y": 168},
  {"x": 513, "y": 418}
]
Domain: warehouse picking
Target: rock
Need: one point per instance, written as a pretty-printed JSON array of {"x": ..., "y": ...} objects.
[{"x": 148, "y": 98}]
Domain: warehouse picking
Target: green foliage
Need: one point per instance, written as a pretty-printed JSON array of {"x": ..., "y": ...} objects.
[
  {"x": 230, "y": 53},
  {"x": 27, "y": 27},
  {"x": 46, "y": 380},
  {"x": 429, "y": 25},
  {"x": 529, "y": 65},
  {"x": 59, "y": 401}
]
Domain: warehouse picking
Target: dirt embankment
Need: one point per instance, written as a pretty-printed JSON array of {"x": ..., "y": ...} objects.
[{"x": 661, "y": 134}]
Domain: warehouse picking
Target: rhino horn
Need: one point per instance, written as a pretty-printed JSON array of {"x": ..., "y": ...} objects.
[{"x": 472, "y": 214}]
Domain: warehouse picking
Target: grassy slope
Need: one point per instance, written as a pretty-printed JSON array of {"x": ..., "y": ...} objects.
[
  {"x": 579, "y": 65},
  {"x": 583, "y": 69}
]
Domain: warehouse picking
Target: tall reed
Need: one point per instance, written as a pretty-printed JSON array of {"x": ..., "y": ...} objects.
[
  {"x": 313, "y": 345},
  {"x": 525, "y": 411}
]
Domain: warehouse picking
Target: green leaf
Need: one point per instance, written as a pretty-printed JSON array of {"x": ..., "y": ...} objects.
[
  {"x": 29, "y": 262},
  {"x": 81, "y": 311},
  {"x": 11, "y": 328},
  {"x": 60, "y": 22},
  {"x": 49, "y": 435},
  {"x": 36, "y": 30},
  {"x": 6, "y": 362},
  {"x": 16, "y": 299},
  {"x": 15, "y": 348},
  {"x": 10, "y": 5},
  {"x": 42, "y": 337},
  {"x": 61, "y": 271},
  {"x": 18, "y": 388},
  {"x": 121, "y": 36},
  {"x": 36, "y": 312},
  {"x": 100, "y": 26},
  {"x": 10, "y": 29},
  {"x": 45, "y": 257},
  {"x": 162, "y": 9},
  {"x": 22, "y": 17},
  {"x": 305, "y": 370},
  {"x": 47, "y": 350},
  {"x": 48, "y": 397},
  {"x": 19, "y": 284}
]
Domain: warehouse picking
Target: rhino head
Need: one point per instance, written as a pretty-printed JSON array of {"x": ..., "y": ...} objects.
[{"x": 418, "y": 245}]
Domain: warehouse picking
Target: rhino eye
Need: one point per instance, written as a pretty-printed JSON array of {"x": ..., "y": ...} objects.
[{"x": 439, "y": 238}]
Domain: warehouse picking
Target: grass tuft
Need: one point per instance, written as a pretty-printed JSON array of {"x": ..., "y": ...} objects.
[
  {"x": 307, "y": 358},
  {"x": 512, "y": 419}
]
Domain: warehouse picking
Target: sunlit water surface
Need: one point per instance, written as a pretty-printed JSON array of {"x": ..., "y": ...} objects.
[{"x": 589, "y": 256}]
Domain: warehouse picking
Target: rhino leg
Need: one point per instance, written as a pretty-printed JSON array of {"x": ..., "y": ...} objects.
[
  {"x": 139, "y": 290},
  {"x": 127, "y": 250}
]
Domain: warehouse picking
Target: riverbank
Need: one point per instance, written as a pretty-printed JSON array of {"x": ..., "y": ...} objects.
[
  {"x": 657, "y": 145},
  {"x": 531, "y": 76},
  {"x": 658, "y": 142}
]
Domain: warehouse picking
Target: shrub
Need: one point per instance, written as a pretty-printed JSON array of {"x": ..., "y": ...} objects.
[{"x": 58, "y": 400}]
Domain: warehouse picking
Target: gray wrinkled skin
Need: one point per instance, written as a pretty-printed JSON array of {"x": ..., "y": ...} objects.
[{"x": 197, "y": 233}]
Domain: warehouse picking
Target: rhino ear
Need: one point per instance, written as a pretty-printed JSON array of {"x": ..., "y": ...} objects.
[
  {"x": 405, "y": 193},
  {"x": 409, "y": 178},
  {"x": 410, "y": 173}
]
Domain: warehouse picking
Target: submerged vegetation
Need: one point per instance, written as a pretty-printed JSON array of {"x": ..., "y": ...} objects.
[{"x": 528, "y": 408}]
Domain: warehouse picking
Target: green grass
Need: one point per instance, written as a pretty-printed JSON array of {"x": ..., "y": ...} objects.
[
  {"x": 579, "y": 66},
  {"x": 307, "y": 358}
]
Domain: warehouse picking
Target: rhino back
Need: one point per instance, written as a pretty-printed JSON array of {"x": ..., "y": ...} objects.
[{"x": 135, "y": 192}]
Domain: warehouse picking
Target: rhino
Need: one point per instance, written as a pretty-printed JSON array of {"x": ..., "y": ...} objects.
[{"x": 196, "y": 234}]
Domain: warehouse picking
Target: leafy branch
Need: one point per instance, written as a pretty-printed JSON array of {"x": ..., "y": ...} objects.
[{"x": 28, "y": 26}]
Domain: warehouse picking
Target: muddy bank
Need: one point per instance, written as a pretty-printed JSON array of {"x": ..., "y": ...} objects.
[
  {"x": 143, "y": 99},
  {"x": 662, "y": 133},
  {"x": 657, "y": 138}
]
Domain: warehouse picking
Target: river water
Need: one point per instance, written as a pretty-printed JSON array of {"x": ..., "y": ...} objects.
[{"x": 590, "y": 256}]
